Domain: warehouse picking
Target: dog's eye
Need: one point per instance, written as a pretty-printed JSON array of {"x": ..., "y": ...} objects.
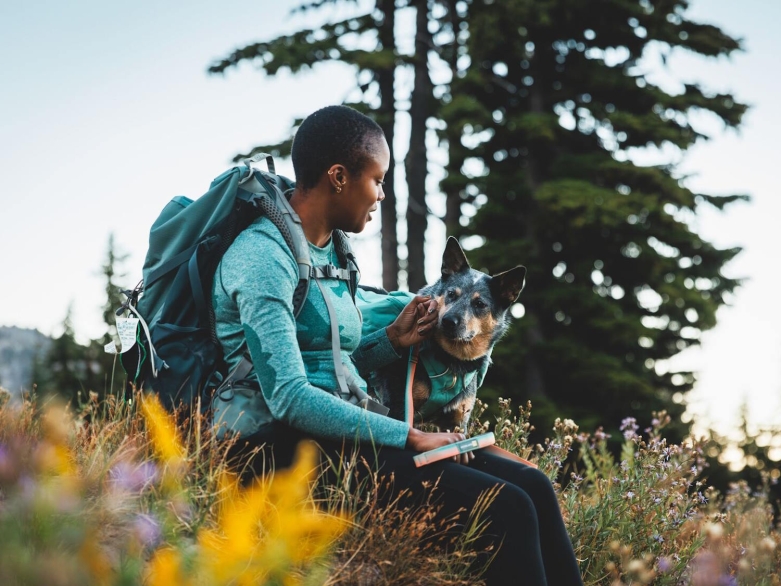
[
  {"x": 451, "y": 294},
  {"x": 479, "y": 303}
]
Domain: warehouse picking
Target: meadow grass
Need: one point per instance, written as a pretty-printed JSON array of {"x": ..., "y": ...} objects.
[{"x": 115, "y": 493}]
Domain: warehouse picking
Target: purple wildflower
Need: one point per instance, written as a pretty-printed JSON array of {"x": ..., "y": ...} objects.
[
  {"x": 131, "y": 477},
  {"x": 665, "y": 565},
  {"x": 27, "y": 487},
  {"x": 6, "y": 465},
  {"x": 146, "y": 530},
  {"x": 629, "y": 427}
]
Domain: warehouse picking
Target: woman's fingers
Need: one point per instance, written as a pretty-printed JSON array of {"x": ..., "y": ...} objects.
[{"x": 428, "y": 318}]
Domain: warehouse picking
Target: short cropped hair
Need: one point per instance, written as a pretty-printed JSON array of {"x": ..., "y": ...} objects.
[{"x": 333, "y": 135}]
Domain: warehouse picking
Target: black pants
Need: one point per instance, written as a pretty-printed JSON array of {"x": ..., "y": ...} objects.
[{"x": 524, "y": 517}]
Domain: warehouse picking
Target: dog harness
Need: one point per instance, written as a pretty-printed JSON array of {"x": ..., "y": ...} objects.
[{"x": 445, "y": 384}]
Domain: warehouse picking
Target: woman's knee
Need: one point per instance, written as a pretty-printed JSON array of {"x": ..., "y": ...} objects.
[{"x": 512, "y": 507}]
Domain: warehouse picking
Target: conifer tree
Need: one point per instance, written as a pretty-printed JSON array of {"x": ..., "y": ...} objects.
[
  {"x": 68, "y": 369},
  {"x": 111, "y": 371},
  {"x": 369, "y": 44},
  {"x": 114, "y": 296},
  {"x": 365, "y": 42},
  {"x": 549, "y": 102}
]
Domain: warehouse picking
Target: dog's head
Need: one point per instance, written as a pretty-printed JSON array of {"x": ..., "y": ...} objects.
[{"x": 472, "y": 305}]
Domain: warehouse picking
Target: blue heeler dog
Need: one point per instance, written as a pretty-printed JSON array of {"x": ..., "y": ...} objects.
[{"x": 473, "y": 309}]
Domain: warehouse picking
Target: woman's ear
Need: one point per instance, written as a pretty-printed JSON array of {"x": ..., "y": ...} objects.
[{"x": 337, "y": 177}]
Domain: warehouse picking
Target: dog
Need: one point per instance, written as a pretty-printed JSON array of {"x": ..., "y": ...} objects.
[{"x": 473, "y": 316}]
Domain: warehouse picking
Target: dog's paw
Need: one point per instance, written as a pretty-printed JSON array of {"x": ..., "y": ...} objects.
[
  {"x": 459, "y": 410},
  {"x": 455, "y": 403}
]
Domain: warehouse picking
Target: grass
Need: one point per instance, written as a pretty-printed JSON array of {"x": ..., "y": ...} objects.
[{"x": 115, "y": 493}]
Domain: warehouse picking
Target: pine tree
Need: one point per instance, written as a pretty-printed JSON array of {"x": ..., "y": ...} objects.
[
  {"x": 114, "y": 296},
  {"x": 73, "y": 370},
  {"x": 68, "y": 370},
  {"x": 367, "y": 43},
  {"x": 437, "y": 33},
  {"x": 618, "y": 281},
  {"x": 111, "y": 371}
]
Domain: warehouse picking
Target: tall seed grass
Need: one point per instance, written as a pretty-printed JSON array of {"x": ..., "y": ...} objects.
[{"x": 115, "y": 493}]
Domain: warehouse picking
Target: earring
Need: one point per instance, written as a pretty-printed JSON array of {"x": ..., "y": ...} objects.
[{"x": 338, "y": 189}]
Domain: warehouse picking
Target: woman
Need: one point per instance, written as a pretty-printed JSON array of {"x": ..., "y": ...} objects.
[{"x": 340, "y": 158}]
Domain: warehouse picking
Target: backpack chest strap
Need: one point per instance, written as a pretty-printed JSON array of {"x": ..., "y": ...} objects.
[{"x": 329, "y": 272}]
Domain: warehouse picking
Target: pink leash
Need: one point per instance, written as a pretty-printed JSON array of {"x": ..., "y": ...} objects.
[{"x": 409, "y": 410}]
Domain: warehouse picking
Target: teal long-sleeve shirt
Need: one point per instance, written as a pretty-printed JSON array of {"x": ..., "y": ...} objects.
[{"x": 253, "y": 304}]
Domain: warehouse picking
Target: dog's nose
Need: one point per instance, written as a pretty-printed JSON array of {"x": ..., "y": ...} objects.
[{"x": 450, "y": 322}]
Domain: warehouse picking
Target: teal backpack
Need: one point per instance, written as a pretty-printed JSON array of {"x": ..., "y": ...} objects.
[{"x": 172, "y": 348}]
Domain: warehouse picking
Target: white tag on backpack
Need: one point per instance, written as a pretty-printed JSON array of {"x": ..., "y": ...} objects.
[
  {"x": 126, "y": 330},
  {"x": 110, "y": 348}
]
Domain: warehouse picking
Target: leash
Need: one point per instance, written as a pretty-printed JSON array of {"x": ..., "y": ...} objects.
[{"x": 412, "y": 364}]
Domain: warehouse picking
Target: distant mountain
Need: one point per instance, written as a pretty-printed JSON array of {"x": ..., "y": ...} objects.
[{"x": 18, "y": 349}]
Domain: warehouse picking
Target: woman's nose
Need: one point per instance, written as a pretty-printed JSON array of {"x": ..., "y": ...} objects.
[{"x": 381, "y": 196}]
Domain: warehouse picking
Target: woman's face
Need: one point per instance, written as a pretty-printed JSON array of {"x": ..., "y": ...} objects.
[{"x": 361, "y": 194}]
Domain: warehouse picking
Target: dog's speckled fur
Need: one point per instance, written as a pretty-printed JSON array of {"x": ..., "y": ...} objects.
[{"x": 472, "y": 318}]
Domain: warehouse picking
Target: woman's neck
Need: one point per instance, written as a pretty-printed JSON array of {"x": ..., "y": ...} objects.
[{"x": 314, "y": 216}]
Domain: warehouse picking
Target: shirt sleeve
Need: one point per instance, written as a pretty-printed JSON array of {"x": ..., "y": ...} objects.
[
  {"x": 260, "y": 274},
  {"x": 374, "y": 352}
]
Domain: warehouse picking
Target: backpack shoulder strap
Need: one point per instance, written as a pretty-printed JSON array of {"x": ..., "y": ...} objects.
[
  {"x": 275, "y": 206},
  {"x": 346, "y": 257}
]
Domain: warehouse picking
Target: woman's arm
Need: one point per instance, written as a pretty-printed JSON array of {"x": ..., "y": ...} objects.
[
  {"x": 260, "y": 274},
  {"x": 414, "y": 324}
]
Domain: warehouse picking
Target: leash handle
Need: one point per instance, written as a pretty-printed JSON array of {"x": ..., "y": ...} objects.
[{"x": 412, "y": 364}]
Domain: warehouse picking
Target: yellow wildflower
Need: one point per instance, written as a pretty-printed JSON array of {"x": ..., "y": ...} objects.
[
  {"x": 270, "y": 529},
  {"x": 162, "y": 430},
  {"x": 165, "y": 569}
]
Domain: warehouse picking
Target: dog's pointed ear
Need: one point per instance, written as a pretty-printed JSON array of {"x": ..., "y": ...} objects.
[
  {"x": 453, "y": 260},
  {"x": 507, "y": 286}
]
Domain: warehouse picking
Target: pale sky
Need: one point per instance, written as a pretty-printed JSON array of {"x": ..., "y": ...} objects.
[{"x": 106, "y": 112}]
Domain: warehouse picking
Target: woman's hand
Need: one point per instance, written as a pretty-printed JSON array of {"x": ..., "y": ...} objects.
[
  {"x": 414, "y": 324},
  {"x": 420, "y": 441}
]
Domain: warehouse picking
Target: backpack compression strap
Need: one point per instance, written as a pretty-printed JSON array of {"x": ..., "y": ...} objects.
[{"x": 346, "y": 387}]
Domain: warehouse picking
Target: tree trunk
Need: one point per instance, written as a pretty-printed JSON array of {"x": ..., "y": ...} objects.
[
  {"x": 386, "y": 118},
  {"x": 452, "y": 133},
  {"x": 416, "y": 161}
]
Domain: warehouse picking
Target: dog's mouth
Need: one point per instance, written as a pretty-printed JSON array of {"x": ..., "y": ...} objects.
[{"x": 459, "y": 339}]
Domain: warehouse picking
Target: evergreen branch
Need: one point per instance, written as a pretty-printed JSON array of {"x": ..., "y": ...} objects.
[
  {"x": 300, "y": 50},
  {"x": 316, "y": 5},
  {"x": 720, "y": 201}
]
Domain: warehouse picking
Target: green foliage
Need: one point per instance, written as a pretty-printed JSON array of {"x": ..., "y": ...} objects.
[
  {"x": 648, "y": 516},
  {"x": 106, "y": 495},
  {"x": 73, "y": 370},
  {"x": 618, "y": 281},
  {"x": 542, "y": 101}
]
